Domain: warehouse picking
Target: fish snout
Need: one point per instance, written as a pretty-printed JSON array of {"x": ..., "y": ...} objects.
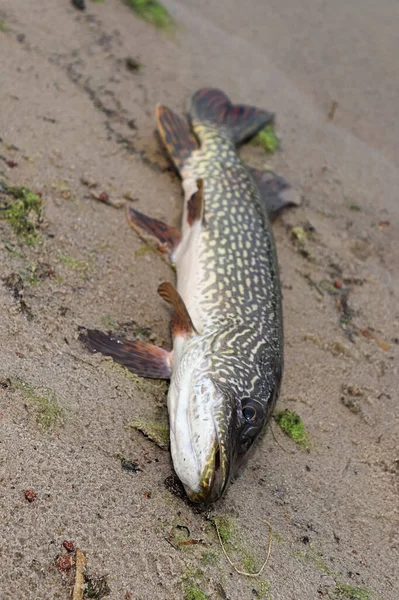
[{"x": 214, "y": 478}]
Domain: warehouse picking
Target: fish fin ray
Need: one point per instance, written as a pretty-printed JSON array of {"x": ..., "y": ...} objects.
[
  {"x": 212, "y": 107},
  {"x": 141, "y": 358},
  {"x": 182, "y": 323},
  {"x": 168, "y": 237},
  {"x": 275, "y": 192},
  {"x": 195, "y": 206},
  {"x": 176, "y": 135}
]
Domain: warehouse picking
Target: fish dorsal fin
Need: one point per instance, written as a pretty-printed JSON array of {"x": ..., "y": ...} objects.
[
  {"x": 176, "y": 135},
  {"x": 275, "y": 192},
  {"x": 195, "y": 206},
  {"x": 239, "y": 121},
  {"x": 182, "y": 323}
]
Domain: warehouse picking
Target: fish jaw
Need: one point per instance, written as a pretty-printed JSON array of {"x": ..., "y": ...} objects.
[{"x": 199, "y": 447}]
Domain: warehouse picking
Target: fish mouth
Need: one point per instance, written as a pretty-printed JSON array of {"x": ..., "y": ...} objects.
[{"x": 214, "y": 479}]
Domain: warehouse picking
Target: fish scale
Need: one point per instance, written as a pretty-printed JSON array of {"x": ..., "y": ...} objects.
[{"x": 226, "y": 365}]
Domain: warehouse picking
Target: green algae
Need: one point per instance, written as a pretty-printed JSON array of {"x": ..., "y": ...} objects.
[
  {"x": 194, "y": 593},
  {"x": 262, "y": 589},
  {"x": 342, "y": 591},
  {"x": 144, "y": 250},
  {"x": 136, "y": 378},
  {"x": 299, "y": 234},
  {"x": 79, "y": 266},
  {"x": 152, "y": 12},
  {"x": 267, "y": 139},
  {"x": 23, "y": 209},
  {"x": 157, "y": 385},
  {"x": 189, "y": 581},
  {"x": 73, "y": 263},
  {"x": 313, "y": 557},
  {"x": 155, "y": 431},
  {"x": 44, "y": 405},
  {"x": 239, "y": 552},
  {"x": 226, "y": 528},
  {"x": 293, "y": 427}
]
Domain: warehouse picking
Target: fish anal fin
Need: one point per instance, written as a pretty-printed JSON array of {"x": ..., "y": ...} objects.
[
  {"x": 141, "y": 358},
  {"x": 275, "y": 192},
  {"x": 176, "y": 135},
  {"x": 240, "y": 121},
  {"x": 195, "y": 206},
  {"x": 182, "y": 323},
  {"x": 168, "y": 237}
]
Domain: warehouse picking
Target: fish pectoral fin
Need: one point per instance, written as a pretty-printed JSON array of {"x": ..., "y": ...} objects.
[
  {"x": 239, "y": 121},
  {"x": 182, "y": 323},
  {"x": 176, "y": 135},
  {"x": 141, "y": 358},
  {"x": 275, "y": 192},
  {"x": 168, "y": 237},
  {"x": 195, "y": 206}
]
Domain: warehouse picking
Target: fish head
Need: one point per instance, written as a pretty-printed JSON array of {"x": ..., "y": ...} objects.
[
  {"x": 202, "y": 418},
  {"x": 213, "y": 423}
]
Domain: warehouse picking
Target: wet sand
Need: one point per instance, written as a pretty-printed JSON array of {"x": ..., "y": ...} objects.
[{"x": 70, "y": 112}]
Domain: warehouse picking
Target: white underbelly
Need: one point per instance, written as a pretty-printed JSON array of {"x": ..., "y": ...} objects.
[
  {"x": 186, "y": 257},
  {"x": 189, "y": 275}
]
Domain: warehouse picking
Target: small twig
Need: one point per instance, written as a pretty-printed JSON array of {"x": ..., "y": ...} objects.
[
  {"x": 191, "y": 542},
  {"x": 312, "y": 283},
  {"x": 171, "y": 542},
  {"x": 78, "y": 589},
  {"x": 245, "y": 573},
  {"x": 105, "y": 199}
]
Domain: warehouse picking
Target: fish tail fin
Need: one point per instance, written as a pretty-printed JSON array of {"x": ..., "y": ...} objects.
[
  {"x": 211, "y": 107},
  {"x": 176, "y": 136}
]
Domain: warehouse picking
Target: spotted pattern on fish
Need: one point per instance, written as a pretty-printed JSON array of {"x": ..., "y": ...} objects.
[{"x": 239, "y": 293}]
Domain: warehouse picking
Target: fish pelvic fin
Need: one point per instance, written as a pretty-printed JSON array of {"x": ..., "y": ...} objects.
[
  {"x": 176, "y": 136},
  {"x": 181, "y": 323},
  {"x": 141, "y": 358},
  {"x": 275, "y": 192},
  {"x": 212, "y": 108},
  {"x": 168, "y": 237}
]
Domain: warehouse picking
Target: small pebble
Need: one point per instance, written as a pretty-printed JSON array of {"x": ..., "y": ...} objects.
[
  {"x": 64, "y": 563},
  {"x": 68, "y": 545},
  {"x": 30, "y": 495}
]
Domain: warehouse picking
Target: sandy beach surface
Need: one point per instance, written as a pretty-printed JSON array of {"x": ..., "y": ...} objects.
[{"x": 77, "y": 121}]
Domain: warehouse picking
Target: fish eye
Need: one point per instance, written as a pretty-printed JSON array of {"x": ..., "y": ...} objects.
[{"x": 249, "y": 413}]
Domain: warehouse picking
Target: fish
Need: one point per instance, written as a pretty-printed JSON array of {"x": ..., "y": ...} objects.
[{"x": 226, "y": 364}]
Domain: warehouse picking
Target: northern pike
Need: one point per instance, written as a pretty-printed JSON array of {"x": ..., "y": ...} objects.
[{"x": 226, "y": 365}]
